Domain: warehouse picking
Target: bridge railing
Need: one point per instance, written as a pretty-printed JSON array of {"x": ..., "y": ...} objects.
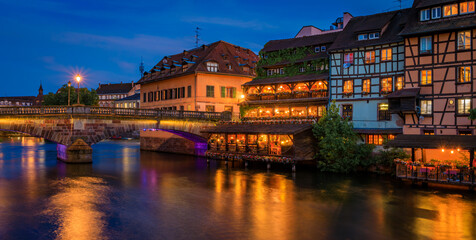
[{"x": 105, "y": 111}]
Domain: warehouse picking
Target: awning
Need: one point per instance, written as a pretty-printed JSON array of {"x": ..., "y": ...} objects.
[
  {"x": 434, "y": 141},
  {"x": 405, "y": 93},
  {"x": 288, "y": 79},
  {"x": 259, "y": 128}
]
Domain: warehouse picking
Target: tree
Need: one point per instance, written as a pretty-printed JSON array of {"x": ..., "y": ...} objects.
[
  {"x": 87, "y": 97},
  {"x": 472, "y": 114},
  {"x": 337, "y": 143}
]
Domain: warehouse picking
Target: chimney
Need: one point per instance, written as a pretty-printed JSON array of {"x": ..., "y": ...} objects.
[{"x": 347, "y": 17}]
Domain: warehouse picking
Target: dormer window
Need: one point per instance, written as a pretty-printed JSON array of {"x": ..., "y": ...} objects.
[
  {"x": 363, "y": 37},
  {"x": 317, "y": 49},
  {"x": 450, "y": 10},
  {"x": 466, "y": 7},
  {"x": 374, "y": 35},
  {"x": 212, "y": 66},
  {"x": 323, "y": 48},
  {"x": 425, "y": 15},
  {"x": 436, "y": 13}
]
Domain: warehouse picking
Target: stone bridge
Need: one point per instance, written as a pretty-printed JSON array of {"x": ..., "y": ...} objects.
[{"x": 76, "y": 128}]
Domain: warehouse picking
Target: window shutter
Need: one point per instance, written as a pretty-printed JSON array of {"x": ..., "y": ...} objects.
[
  {"x": 223, "y": 92},
  {"x": 234, "y": 93}
]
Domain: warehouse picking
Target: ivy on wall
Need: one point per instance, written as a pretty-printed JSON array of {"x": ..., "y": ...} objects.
[{"x": 290, "y": 57}]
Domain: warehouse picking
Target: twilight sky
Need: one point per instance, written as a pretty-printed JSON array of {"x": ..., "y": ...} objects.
[{"x": 49, "y": 40}]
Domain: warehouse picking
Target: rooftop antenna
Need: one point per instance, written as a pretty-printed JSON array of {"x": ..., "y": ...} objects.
[
  {"x": 141, "y": 67},
  {"x": 400, "y": 3},
  {"x": 197, "y": 35}
]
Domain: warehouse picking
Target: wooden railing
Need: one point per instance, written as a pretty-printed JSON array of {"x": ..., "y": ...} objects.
[
  {"x": 105, "y": 111},
  {"x": 464, "y": 176}
]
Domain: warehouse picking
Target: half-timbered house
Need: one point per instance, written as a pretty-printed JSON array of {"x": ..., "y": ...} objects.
[
  {"x": 439, "y": 88},
  {"x": 367, "y": 64}
]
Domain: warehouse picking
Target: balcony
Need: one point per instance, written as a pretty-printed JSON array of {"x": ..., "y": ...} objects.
[{"x": 287, "y": 95}]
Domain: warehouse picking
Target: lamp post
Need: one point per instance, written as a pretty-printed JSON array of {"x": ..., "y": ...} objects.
[
  {"x": 69, "y": 93},
  {"x": 78, "y": 78}
]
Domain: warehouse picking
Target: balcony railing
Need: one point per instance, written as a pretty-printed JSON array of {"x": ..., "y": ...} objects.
[
  {"x": 440, "y": 174},
  {"x": 287, "y": 95},
  {"x": 105, "y": 111}
]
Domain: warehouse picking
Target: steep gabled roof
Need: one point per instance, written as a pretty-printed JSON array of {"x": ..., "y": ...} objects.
[
  {"x": 388, "y": 24},
  {"x": 114, "y": 88},
  {"x": 320, "y": 39},
  {"x": 415, "y": 27},
  {"x": 194, "y": 60}
]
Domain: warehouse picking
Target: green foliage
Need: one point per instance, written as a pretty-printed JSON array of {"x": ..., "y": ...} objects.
[
  {"x": 472, "y": 114},
  {"x": 386, "y": 157},
  {"x": 337, "y": 143},
  {"x": 87, "y": 97},
  {"x": 245, "y": 109},
  {"x": 290, "y": 57}
]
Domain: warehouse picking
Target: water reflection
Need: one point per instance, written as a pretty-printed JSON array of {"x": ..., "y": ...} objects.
[{"x": 144, "y": 195}]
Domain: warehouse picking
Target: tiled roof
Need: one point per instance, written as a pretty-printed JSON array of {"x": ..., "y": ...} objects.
[
  {"x": 415, "y": 27},
  {"x": 130, "y": 98},
  {"x": 404, "y": 93},
  {"x": 388, "y": 24},
  {"x": 259, "y": 128},
  {"x": 321, "y": 39},
  {"x": 113, "y": 88},
  {"x": 433, "y": 141},
  {"x": 288, "y": 79},
  {"x": 223, "y": 53},
  {"x": 18, "y": 98},
  {"x": 429, "y": 3}
]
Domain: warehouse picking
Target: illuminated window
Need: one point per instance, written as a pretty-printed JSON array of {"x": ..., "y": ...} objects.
[
  {"x": 464, "y": 74},
  {"x": 426, "y": 107},
  {"x": 464, "y": 105},
  {"x": 386, "y": 85},
  {"x": 425, "y": 77},
  {"x": 383, "y": 113},
  {"x": 375, "y": 139},
  {"x": 366, "y": 86},
  {"x": 466, "y": 7},
  {"x": 348, "y": 87},
  {"x": 400, "y": 83},
  {"x": 321, "y": 110},
  {"x": 465, "y": 132},
  {"x": 347, "y": 112},
  {"x": 212, "y": 66},
  {"x": 436, "y": 13},
  {"x": 464, "y": 40},
  {"x": 426, "y": 45},
  {"x": 450, "y": 10},
  {"x": 370, "y": 57},
  {"x": 387, "y": 54},
  {"x": 349, "y": 58},
  {"x": 425, "y": 15},
  {"x": 428, "y": 132},
  {"x": 210, "y": 108}
]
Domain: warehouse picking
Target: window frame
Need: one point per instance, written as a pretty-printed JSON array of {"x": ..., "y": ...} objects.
[
  {"x": 421, "y": 107},
  {"x": 396, "y": 82},
  {"x": 369, "y": 61},
  {"x": 467, "y": 7},
  {"x": 212, "y": 66},
  {"x": 433, "y": 15},
  {"x": 450, "y": 5},
  {"x": 210, "y": 91},
  {"x": 369, "y": 86},
  {"x": 469, "y": 48},
  {"x": 351, "y": 112},
  {"x": 317, "y": 49},
  {"x": 381, "y": 85},
  {"x": 351, "y": 57},
  {"x": 427, "y": 13},
  {"x": 387, "y": 57},
  {"x": 383, "y": 115},
  {"x": 458, "y": 75},
  {"x": 344, "y": 87},
  {"x": 421, "y": 78},
  {"x": 458, "y": 113},
  {"x": 426, "y": 51}
]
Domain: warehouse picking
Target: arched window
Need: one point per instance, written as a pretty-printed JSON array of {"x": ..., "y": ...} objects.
[
  {"x": 212, "y": 66},
  {"x": 283, "y": 88},
  {"x": 253, "y": 90},
  {"x": 319, "y": 85}
]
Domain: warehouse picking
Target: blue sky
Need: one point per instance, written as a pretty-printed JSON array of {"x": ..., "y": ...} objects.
[{"x": 48, "y": 41}]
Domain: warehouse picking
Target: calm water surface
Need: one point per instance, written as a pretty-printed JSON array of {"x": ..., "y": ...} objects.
[{"x": 129, "y": 194}]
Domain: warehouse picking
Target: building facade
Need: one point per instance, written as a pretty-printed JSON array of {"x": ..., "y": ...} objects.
[
  {"x": 292, "y": 77},
  {"x": 23, "y": 100},
  {"x": 439, "y": 88},
  {"x": 367, "y": 64},
  {"x": 128, "y": 102},
  {"x": 110, "y": 92},
  {"x": 207, "y": 78}
]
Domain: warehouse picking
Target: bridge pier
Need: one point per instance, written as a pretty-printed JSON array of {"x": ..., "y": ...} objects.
[{"x": 78, "y": 152}]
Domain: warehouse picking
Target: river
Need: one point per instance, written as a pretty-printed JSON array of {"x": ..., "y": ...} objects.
[{"x": 129, "y": 194}]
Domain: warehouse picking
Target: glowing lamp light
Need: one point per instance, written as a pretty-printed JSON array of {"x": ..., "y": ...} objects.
[
  {"x": 442, "y": 150},
  {"x": 458, "y": 149},
  {"x": 242, "y": 96},
  {"x": 78, "y": 78},
  {"x": 452, "y": 151}
]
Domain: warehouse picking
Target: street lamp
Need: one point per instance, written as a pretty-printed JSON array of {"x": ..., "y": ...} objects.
[
  {"x": 69, "y": 93},
  {"x": 78, "y": 78}
]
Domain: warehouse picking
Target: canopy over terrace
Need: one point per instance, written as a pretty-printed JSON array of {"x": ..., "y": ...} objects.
[
  {"x": 259, "y": 128},
  {"x": 434, "y": 141}
]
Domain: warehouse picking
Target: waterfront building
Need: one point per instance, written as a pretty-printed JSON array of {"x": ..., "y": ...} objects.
[
  {"x": 128, "y": 102},
  {"x": 292, "y": 76},
  {"x": 289, "y": 93},
  {"x": 207, "y": 78},
  {"x": 439, "y": 87},
  {"x": 23, "y": 100},
  {"x": 367, "y": 64},
  {"x": 110, "y": 92}
]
